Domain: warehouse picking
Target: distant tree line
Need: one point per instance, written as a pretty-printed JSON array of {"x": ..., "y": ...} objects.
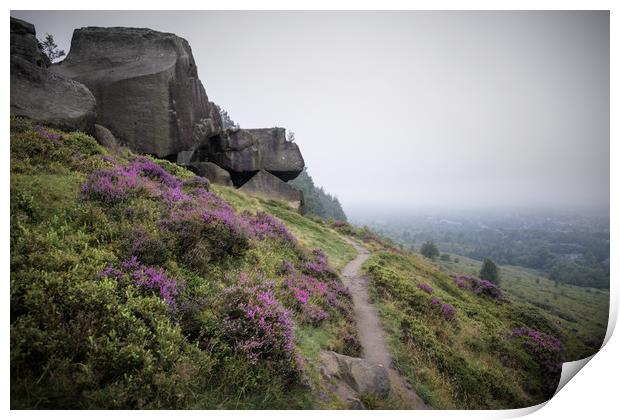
[
  {"x": 576, "y": 254},
  {"x": 316, "y": 200}
]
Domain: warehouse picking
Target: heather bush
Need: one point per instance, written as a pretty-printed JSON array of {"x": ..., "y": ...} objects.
[
  {"x": 338, "y": 224},
  {"x": 146, "y": 168},
  {"x": 121, "y": 182},
  {"x": 173, "y": 169},
  {"x": 200, "y": 236},
  {"x": 478, "y": 286},
  {"x": 148, "y": 246},
  {"x": 257, "y": 325},
  {"x": 149, "y": 278},
  {"x": 448, "y": 311},
  {"x": 80, "y": 341},
  {"x": 522, "y": 314},
  {"x": 313, "y": 297},
  {"x": 286, "y": 268},
  {"x": 546, "y": 350},
  {"x": 100, "y": 348},
  {"x": 426, "y": 288},
  {"x": 313, "y": 314},
  {"x": 318, "y": 266},
  {"x": 263, "y": 225}
]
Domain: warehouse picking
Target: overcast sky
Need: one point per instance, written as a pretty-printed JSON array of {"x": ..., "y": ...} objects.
[{"x": 410, "y": 109}]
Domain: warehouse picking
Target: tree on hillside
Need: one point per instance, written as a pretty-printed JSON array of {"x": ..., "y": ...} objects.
[
  {"x": 429, "y": 250},
  {"x": 50, "y": 48},
  {"x": 316, "y": 200},
  {"x": 489, "y": 271}
]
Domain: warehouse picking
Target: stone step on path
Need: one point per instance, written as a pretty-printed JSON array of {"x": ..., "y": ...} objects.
[{"x": 373, "y": 373}]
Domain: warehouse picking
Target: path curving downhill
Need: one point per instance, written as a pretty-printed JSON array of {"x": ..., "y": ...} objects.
[{"x": 372, "y": 337}]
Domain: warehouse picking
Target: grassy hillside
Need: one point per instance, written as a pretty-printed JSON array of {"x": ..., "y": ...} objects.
[
  {"x": 582, "y": 310},
  {"x": 135, "y": 284},
  {"x": 463, "y": 347},
  {"x": 132, "y": 286},
  {"x": 463, "y": 342}
]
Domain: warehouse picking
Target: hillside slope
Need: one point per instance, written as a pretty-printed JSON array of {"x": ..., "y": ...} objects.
[
  {"x": 135, "y": 284},
  {"x": 132, "y": 286},
  {"x": 582, "y": 310},
  {"x": 464, "y": 343}
]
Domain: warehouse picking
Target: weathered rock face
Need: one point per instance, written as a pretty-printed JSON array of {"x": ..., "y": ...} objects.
[
  {"x": 212, "y": 172},
  {"x": 245, "y": 152},
  {"x": 24, "y": 43},
  {"x": 41, "y": 95},
  {"x": 147, "y": 87},
  {"x": 267, "y": 185},
  {"x": 357, "y": 374}
]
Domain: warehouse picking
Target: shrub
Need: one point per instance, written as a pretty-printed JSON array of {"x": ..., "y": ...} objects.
[
  {"x": 448, "y": 311},
  {"x": 263, "y": 226},
  {"x": 336, "y": 224},
  {"x": 117, "y": 184},
  {"x": 43, "y": 147},
  {"x": 429, "y": 249},
  {"x": 426, "y": 288},
  {"x": 149, "y": 278},
  {"x": 444, "y": 309},
  {"x": 313, "y": 297},
  {"x": 318, "y": 265},
  {"x": 546, "y": 350},
  {"x": 147, "y": 246},
  {"x": 258, "y": 326},
  {"x": 200, "y": 236},
  {"x": 478, "y": 286},
  {"x": 314, "y": 315},
  {"x": 286, "y": 268}
]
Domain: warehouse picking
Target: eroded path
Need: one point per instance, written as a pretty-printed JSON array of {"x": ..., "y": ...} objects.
[{"x": 372, "y": 337}]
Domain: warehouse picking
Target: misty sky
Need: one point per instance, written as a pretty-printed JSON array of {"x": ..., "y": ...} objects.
[{"x": 410, "y": 110}]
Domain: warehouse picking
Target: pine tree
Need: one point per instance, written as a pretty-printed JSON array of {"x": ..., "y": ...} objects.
[
  {"x": 489, "y": 271},
  {"x": 50, "y": 48}
]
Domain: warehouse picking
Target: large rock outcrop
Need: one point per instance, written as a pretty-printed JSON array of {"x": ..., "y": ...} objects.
[
  {"x": 149, "y": 98},
  {"x": 244, "y": 152},
  {"x": 41, "y": 95},
  {"x": 146, "y": 85},
  {"x": 266, "y": 185}
]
